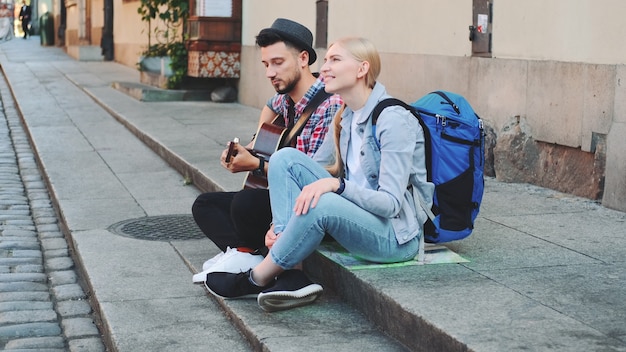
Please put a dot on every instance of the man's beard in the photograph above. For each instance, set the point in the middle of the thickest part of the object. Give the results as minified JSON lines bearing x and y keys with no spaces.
{"x":290,"y":85}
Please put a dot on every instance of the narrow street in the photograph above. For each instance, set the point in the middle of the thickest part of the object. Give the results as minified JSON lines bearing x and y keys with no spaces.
{"x":42,"y":305}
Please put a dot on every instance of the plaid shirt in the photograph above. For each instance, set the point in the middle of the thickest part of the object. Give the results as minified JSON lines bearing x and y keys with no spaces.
{"x":315,"y":129}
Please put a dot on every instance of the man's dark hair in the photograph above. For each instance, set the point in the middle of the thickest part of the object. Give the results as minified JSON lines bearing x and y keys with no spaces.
{"x":265,"y":39}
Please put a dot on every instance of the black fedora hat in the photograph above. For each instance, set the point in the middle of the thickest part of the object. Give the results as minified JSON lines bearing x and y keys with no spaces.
{"x":295,"y":33}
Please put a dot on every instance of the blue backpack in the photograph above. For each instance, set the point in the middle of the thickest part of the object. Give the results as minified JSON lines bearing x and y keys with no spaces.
{"x":454,"y":143}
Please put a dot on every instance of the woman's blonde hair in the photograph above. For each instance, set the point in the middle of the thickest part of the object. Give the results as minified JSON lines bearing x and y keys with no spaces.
{"x":362,"y":50}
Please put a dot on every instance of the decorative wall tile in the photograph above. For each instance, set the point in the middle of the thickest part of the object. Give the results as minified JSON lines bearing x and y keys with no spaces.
{"x":214,"y":64}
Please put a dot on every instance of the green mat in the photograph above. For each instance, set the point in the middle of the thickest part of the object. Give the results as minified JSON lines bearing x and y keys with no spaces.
{"x":434,"y":254}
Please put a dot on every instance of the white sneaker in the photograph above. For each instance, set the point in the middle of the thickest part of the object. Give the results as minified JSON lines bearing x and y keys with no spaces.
{"x":209,"y":263}
{"x":232,"y":261}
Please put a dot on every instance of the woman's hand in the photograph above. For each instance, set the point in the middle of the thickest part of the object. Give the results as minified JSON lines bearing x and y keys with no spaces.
{"x":270,"y":237}
{"x":311,"y":193}
{"x":242,"y":160}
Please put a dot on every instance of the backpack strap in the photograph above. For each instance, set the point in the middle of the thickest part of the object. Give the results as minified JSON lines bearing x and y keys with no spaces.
{"x":382,"y":105}
{"x":385,"y":103}
{"x":417,"y":198}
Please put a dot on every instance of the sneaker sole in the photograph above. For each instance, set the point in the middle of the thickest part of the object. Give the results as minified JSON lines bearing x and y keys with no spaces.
{"x":281,"y":300}
{"x":251,"y":295}
{"x":200,"y":277}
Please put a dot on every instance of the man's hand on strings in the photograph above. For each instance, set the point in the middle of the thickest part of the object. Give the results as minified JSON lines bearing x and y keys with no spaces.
{"x":241,"y":160}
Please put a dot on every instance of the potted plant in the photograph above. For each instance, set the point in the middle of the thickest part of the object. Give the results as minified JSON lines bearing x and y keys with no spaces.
{"x":168,"y":56}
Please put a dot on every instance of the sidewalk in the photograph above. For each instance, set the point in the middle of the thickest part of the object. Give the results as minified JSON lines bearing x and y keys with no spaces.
{"x":545,"y":271}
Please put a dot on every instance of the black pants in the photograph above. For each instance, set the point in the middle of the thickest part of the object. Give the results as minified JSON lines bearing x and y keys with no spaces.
{"x":25,"y":27}
{"x":234,"y":219}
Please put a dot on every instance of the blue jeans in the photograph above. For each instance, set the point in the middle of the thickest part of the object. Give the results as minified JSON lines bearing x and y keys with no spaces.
{"x":362,"y":233}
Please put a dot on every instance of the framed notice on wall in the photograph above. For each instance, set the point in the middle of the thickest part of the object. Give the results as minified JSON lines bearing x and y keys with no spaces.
{"x":214,"y":8}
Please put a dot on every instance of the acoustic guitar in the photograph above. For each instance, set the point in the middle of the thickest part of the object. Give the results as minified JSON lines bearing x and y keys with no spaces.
{"x":269,"y":138}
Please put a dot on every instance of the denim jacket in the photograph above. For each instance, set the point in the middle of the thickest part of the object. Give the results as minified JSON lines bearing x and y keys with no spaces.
{"x":390,"y":169}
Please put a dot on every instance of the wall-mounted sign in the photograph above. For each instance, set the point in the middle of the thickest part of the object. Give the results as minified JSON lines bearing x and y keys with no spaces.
{"x":482,"y":23}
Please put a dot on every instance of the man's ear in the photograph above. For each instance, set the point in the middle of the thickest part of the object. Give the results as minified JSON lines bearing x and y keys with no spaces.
{"x":304,"y":58}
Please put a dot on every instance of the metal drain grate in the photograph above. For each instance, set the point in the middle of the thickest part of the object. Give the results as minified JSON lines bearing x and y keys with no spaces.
{"x":159,"y":228}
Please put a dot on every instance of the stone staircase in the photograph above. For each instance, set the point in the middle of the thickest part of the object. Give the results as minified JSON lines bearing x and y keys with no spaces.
{"x":85,"y":52}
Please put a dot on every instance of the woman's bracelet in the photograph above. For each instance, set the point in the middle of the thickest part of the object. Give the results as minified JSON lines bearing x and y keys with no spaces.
{"x":342,"y":186}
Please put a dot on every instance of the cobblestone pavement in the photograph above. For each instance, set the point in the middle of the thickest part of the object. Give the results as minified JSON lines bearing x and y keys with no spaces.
{"x":42,"y":305}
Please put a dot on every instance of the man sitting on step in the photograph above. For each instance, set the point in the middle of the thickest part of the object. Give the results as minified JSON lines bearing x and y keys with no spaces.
{"x":237,"y":222}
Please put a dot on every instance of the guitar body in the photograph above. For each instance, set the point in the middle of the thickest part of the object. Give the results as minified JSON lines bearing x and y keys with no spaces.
{"x":269,"y":138}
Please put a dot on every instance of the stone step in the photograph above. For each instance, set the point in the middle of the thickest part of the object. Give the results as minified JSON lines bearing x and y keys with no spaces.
{"x":386,"y":295}
{"x":330,"y":324}
{"x":357,"y":312}
{"x":147,"y":93}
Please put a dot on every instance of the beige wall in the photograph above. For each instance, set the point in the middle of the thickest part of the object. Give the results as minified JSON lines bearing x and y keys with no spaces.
{"x":561,"y":30}
{"x":75,"y":35}
{"x":97,"y":21}
{"x":129,"y":32}
{"x":97,"y":13}
{"x":71,"y":27}
{"x":406,"y":26}
{"x":257,"y":15}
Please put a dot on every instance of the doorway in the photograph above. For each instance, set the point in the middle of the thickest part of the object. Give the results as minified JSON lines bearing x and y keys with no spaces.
{"x":480,"y":30}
